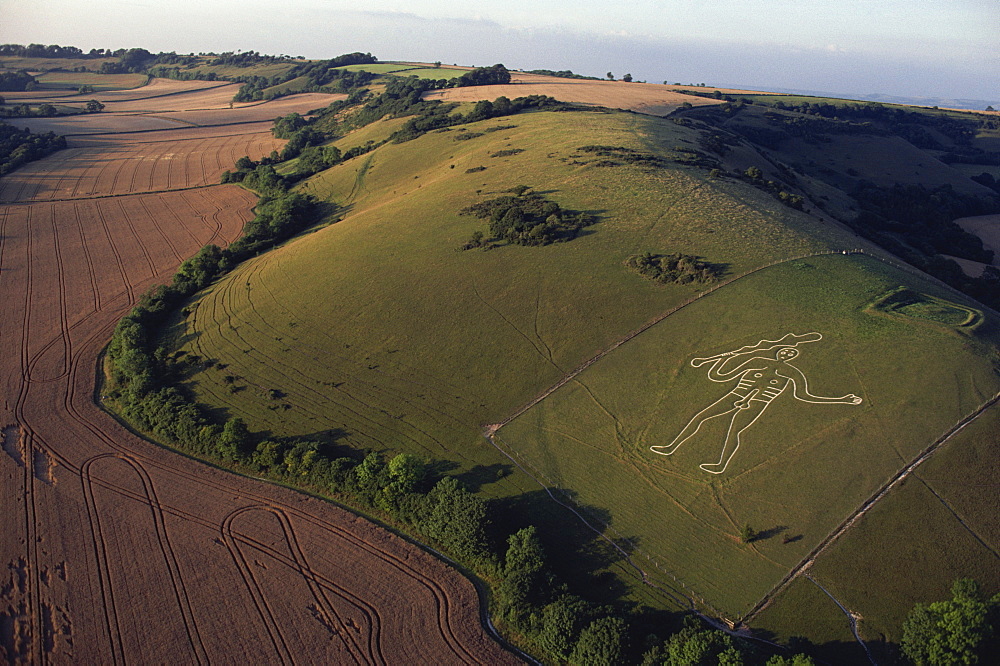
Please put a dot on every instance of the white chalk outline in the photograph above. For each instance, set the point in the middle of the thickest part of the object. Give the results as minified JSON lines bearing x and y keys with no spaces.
{"x":756,"y":388}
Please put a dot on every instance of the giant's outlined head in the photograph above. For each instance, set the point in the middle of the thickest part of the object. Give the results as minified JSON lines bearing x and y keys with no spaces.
{"x":786,"y":354}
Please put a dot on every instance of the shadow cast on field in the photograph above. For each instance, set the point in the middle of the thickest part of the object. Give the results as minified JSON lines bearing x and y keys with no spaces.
{"x":720,"y":268}
{"x":480,"y":475}
{"x":330,"y":442}
{"x":837,"y":652}
{"x":580,"y":556}
{"x":769,"y":533}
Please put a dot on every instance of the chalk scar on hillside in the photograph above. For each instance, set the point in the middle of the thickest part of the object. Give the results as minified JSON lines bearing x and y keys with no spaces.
{"x":763,"y":374}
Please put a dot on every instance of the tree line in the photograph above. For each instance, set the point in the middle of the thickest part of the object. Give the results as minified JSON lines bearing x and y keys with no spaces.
{"x":54,"y":51}
{"x":17,"y":81}
{"x":563,"y":74}
{"x":917,"y":223}
{"x":320,"y":76}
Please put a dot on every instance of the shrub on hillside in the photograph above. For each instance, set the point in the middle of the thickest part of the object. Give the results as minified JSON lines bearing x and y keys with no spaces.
{"x":676,"y":268}
{"x":528,"y":218}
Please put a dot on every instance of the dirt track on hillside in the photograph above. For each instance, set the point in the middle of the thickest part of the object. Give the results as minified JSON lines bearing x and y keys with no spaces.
{"x":119,"y":551}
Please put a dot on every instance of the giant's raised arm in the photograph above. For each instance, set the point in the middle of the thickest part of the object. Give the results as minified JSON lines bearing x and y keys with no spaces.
{"x":718,"y":373}
{"x":788,"y":340}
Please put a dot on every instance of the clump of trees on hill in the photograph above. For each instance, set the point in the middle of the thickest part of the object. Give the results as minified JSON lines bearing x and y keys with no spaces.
{"x":26,"y":111}
{"x":52,"y":51}
{"x":18,"y":146}
{"x":320,"y":76}
{"x":17,"y":81}
{"x":526,"y":218}
{"x":755,"y":177}
{"x":435,"y":115}
{"x":618,"y":155}
{"x":247,"y":59}
{"x":130,"y":61}
{"x":676,"y":268}
{"x":563,"y":74}
{"x":484,"y":76}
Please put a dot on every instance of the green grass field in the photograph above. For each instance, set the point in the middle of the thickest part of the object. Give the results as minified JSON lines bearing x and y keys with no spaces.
{"x":513,"y":319}
{"x":294,"y":85}
{"x":227,"y":71}
{"x":435,"y":73}
{"x":377,"y":332}
{"x":938,"y":525}
{"x":803,"y":467}
{"x":62,"y":80}
{"x":407,"y":69}
{"x":378,"y":67}
{"x":46,"y":64}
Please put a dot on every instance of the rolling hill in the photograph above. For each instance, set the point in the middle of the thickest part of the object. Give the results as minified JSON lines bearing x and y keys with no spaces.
{"x":394,"y":326}
{"x":729,"y":351}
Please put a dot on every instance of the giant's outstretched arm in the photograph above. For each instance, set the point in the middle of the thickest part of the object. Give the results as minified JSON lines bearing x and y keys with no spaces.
{"x":718,"y":373}
{"x":800,"y":389}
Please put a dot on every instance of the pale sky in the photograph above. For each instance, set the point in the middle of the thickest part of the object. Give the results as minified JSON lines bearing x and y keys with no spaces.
{"x":925,"y":48}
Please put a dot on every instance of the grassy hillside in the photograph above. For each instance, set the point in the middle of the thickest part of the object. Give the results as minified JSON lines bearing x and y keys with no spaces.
{"x":802,"y":468}
{"x":378,"y":332}
{"x":513,"y":319}
{"x":409,"y":69}
{"x":940,"y":525}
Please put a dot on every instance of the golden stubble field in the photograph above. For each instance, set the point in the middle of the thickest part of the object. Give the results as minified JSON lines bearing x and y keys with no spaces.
{"x":651,"y":98}
{"x":117,"y":550}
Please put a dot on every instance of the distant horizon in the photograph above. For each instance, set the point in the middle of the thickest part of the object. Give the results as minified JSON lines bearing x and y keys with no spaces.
{"x":918,"y":49}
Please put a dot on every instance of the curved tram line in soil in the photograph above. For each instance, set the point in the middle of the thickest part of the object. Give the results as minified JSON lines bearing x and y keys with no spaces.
{"x":50,"y":437}
{"x":296,"y":561}
{"x":64,"y":325}
{"x":166,"y":549}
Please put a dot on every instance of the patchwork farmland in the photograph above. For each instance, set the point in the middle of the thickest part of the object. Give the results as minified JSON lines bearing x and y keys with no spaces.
{"x":659,"y":363}
{"x":393,"y":330}
{"x":104,"y":529}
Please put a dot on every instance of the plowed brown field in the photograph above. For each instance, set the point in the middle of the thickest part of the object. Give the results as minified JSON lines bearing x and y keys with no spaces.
{"x":103,"y":168}
{"x":202,"y":107}
{"x":654,"y":99}
{"x":116,"y":550}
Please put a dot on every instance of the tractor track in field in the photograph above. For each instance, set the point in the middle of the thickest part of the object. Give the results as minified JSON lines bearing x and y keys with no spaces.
{"x":69,"y":269}
{"x":167,"y":550}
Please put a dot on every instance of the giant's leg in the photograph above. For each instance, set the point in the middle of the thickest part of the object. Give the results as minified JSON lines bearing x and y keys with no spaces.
{"x":742,"y":419}
{"x":720,"y":407}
